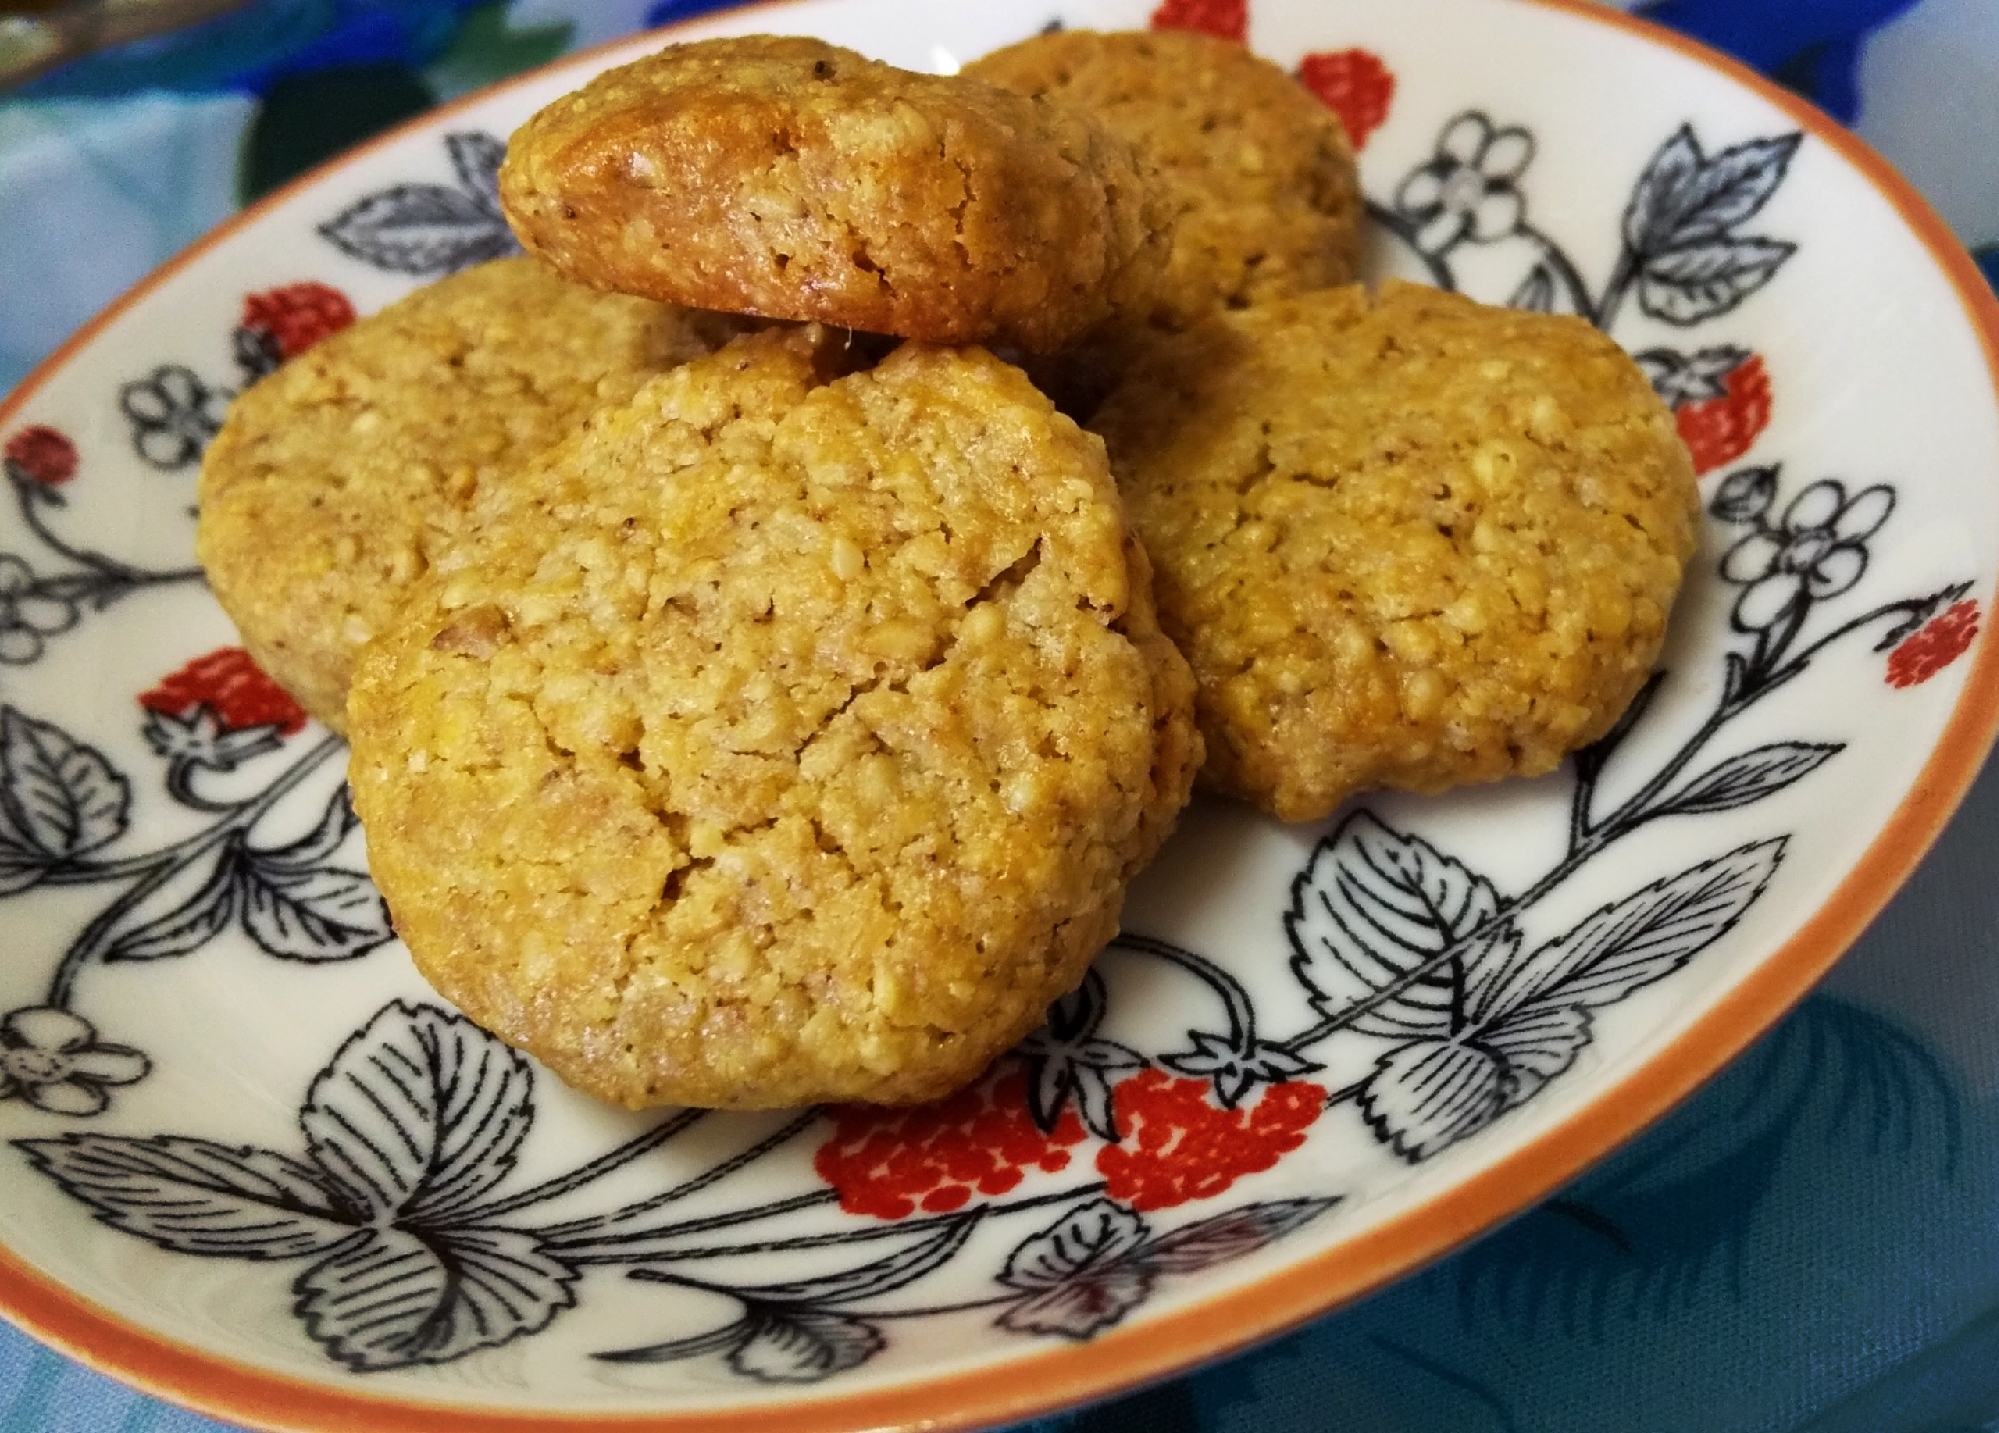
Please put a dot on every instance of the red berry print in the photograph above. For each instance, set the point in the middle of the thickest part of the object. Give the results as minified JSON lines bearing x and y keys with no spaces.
{"x":1353,"y":84}
{"x":41,"y":455}
{"x":1720,"y":430}
{"x":1178,"y":1144}
{"x":1941,"y":641}
{"x":297,"y":316}
{"x":890,"y":1163}
{"x":231,"y":686}
{"x":1225,"y":19}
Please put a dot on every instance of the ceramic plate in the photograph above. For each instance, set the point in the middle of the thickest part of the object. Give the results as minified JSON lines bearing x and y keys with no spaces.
{"x":248,"y":1160}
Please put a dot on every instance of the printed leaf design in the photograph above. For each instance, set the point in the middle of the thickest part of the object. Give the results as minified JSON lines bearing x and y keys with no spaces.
{"x":1536,"y":293}
{"x":419,"y":1114}
{"x":1084,"y":1071}
{"x":1095,"y":1264}
{"x":774,"y":1344}
{"x":1745,"y":495}
{"x":1631,"y":943}
{"x":1692,"y":285}
{"x":58,"y":797}
{"x":1218,"y":1239}
{"x":1681,"y":378}
{"x":20,"y":867}
{"x":431,"y":229}
{"x":1749,"y":777}
{"x":422,"y":229}
{"x":313,"y":914}
{"x":1076,"y":1273}
{"x":1535,"y":1045}
{"x":714,"y":1341}
{"x":879,"y":1276}
{"x":1426,"y":1096}
{"x":804,"y":1346}
{"x":194,"y":1196}
{"x":1236,"y":1067}
{"x":1590,"y":760}
{"x":1680,"y":227}
{"x":1065,"y":1058}
{"x":318,"y":845}
{"x":1088,"y":1234}
{"x":188,"y":926}
{"x":1371,"y":906}
{"x":390,"y":1297}
{"x":476,"y":159}
{"x":1528,"y":1016}
{"x":1685,"y":198}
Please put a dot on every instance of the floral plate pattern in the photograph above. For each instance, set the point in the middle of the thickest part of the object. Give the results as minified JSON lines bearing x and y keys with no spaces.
{"x":250,"y":1160}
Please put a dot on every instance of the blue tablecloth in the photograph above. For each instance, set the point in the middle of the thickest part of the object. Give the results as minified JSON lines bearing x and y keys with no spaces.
{"x":1811,"y":1243}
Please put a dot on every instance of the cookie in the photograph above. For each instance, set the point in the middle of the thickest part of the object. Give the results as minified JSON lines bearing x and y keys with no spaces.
{"x":1260,"y":182}
{"x":334,"y":478}
{"x":1408,"y":541}
{"x":790,"y":178}
{"x":782,"y":737}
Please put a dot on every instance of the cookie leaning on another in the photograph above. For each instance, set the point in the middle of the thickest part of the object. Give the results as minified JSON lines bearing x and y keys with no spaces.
{"x":780,"y":738}
{"x":334,"y":478}
{"x":789,"y":178}
{"x":1406,"y":541}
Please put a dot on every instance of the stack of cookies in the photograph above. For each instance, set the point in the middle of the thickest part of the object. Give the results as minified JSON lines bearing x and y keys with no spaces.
{"x":754,"y":682}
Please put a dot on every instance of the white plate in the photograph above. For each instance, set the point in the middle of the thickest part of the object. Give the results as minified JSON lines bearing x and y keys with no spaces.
{"x":249,"y":1161}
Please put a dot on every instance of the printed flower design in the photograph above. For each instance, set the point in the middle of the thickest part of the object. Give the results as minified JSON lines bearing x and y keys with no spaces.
{"x":40,"y":454}
{"x":218,"y":711}
{"x":1226,"y":19}
{"x":1178,"y":1145}
{"x":52,"y":1059}
{"x":173,"y":415}
{"x":231,"y":685}
{"x":1720,"y":399}
{"x":983,"y":1140}
{"x":27,"y":614}
{"x":1175,"y":1144}
{"x":282,"y":323}
{"x":1353,"y":84}
{"x":1939,"y":642}
{"x":1468,"y":188}
{"x":1817,"y":551}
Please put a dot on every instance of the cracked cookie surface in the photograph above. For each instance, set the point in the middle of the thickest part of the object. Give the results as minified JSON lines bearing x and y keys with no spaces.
{"x":790,"y":178}
{"x":1409,"y":541}
{"x":781,"y":738}
{"x":334,"y":479}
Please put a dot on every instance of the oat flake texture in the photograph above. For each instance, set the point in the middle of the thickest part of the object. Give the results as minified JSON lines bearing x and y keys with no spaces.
{"x":333,"y":479}
{"x":784,"y":737}
{"x":1407,"y":541}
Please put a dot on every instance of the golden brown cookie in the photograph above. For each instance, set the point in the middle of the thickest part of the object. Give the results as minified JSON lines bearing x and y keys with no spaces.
{"x":1260,"y":180}
{"x":1408,"y":541}
{"x":333,"y":479}
{"x":790,"y":178}
{"x":778,"y":739}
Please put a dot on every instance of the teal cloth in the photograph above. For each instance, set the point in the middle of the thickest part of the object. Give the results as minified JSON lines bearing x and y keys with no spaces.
{"x":1809,"y":1245}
